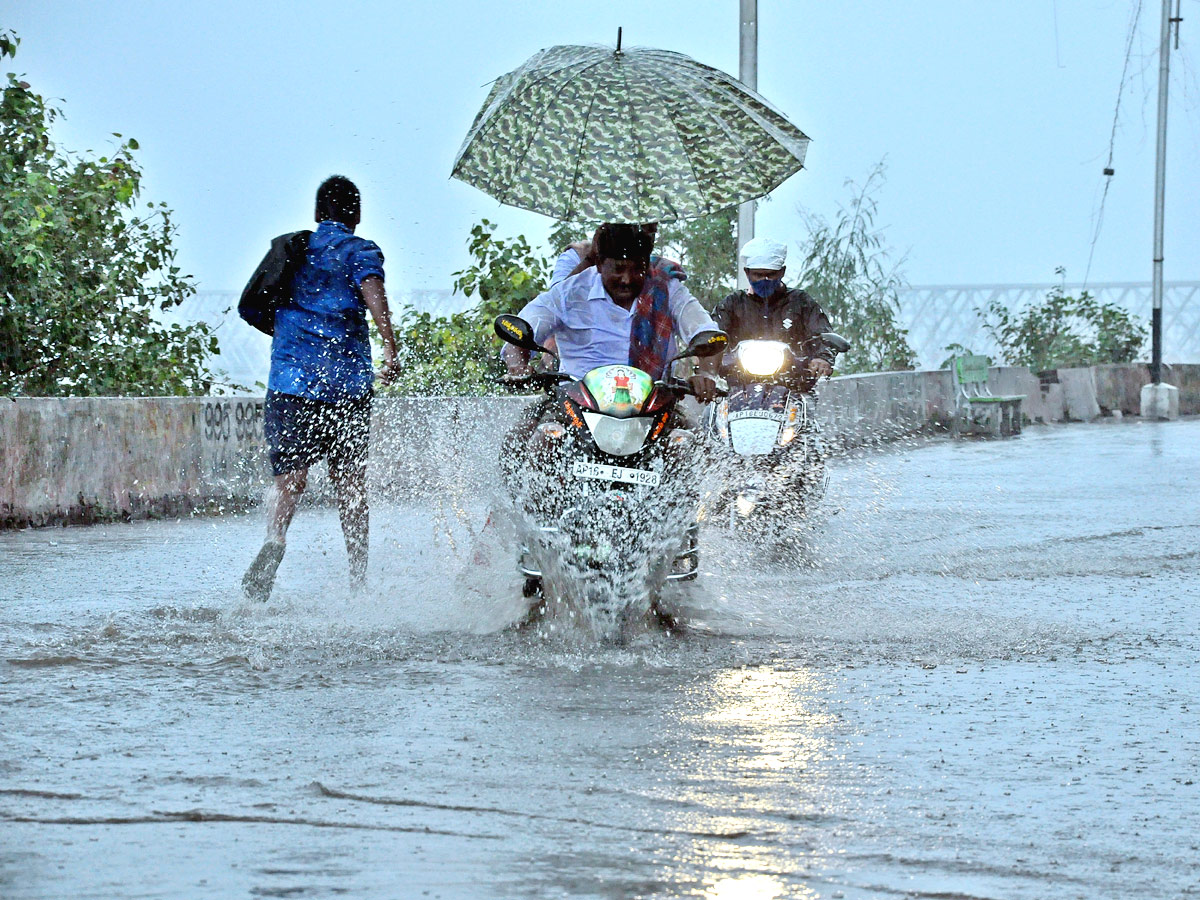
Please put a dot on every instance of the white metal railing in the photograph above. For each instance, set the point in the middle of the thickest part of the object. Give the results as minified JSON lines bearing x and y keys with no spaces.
{"x":935,"y":316}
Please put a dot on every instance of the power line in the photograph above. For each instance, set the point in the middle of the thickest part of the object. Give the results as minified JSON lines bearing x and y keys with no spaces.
{"x":1112,"y":138}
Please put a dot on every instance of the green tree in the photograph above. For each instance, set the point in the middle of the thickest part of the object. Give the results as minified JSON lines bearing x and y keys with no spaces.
{"x":1064,"y":331}
{"x":568,"y":232}
{"x":846,"y":266}
{"x":458,"y":355}
{"x":707,"y":250}
{"x":81,"y":273}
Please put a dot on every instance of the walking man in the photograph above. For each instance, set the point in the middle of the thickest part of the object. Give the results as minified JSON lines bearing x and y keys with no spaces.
{"x":319,"y":391}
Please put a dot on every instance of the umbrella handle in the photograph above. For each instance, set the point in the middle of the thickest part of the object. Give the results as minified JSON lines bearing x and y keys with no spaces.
{"x":618,"y":39}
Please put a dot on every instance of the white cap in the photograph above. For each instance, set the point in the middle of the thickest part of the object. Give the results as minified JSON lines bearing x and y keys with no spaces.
{"x":764,"y":253}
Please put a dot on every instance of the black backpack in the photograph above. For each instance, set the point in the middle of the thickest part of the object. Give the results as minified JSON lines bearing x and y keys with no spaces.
{"x":270,"y":286}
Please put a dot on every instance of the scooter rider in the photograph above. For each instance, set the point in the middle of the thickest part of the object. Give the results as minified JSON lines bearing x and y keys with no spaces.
{"x":771,"y":311}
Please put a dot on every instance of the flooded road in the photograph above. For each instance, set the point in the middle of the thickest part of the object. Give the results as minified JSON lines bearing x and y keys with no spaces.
{"x":985,"y":685}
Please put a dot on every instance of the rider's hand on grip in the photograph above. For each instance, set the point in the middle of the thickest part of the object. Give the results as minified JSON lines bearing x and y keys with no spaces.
{"x":819,"y":368}
{"x":703,"y":386}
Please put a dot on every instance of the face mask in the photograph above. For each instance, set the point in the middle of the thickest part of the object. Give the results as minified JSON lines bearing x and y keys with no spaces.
{"x":765,"y":287}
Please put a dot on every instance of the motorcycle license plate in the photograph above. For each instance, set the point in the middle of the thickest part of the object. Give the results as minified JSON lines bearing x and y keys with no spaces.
{"x":764,"y":414}
{"x":605,"y":472}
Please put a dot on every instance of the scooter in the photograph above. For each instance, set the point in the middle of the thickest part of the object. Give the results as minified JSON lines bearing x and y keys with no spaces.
{"x":766,"y":436}
{"x":606,"y":482}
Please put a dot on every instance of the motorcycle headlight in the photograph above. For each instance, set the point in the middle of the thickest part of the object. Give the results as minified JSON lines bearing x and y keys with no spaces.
{"x":618,"y":437}
{"x":761,"y":358}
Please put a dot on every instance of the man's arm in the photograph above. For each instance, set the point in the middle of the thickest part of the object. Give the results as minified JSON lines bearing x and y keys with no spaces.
{"x":565,"y":266}
{"x":690,"y":319}
{"x":815,"y":323}
{"x":375,"y":297}
{"x":542,"y":315}
{"x":586,"y":251}
{"x":577,"y":257}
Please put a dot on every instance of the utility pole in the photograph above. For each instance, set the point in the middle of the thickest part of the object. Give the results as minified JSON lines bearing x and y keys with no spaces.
{"x":1159,"y":400}
{"x":748,"y":75}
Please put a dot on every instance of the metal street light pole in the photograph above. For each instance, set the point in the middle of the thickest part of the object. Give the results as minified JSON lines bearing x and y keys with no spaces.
{"x":1161,"y":401}
{"x":1160,"y":183}
{"x":748,"y":74}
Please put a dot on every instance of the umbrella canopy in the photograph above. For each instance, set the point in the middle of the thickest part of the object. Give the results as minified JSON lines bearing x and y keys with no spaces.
{"x":626,"y":136}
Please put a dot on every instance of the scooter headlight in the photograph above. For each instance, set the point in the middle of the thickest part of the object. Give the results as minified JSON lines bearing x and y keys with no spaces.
{"x":761,"y":358}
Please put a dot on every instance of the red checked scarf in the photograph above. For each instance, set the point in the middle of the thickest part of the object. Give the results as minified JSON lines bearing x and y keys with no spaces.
{"x":650,"y":335}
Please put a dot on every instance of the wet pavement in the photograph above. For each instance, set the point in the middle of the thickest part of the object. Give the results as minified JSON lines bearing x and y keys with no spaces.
{"x":983,"y":685}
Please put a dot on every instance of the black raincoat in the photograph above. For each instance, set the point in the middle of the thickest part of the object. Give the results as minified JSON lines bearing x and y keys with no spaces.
{"x":787,"y":315}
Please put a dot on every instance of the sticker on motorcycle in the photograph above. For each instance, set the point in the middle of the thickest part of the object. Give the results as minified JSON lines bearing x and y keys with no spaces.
{"x":618,"y":390}
{"x":605,"y":472}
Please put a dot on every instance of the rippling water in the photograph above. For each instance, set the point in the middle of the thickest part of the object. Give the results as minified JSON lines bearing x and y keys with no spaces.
{"x":981,"y":682}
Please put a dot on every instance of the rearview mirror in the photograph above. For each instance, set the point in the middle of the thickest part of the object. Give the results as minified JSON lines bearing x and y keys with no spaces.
{"x":708,"y":343}
{"x":517,"y":331}
{"x":835,"y":341}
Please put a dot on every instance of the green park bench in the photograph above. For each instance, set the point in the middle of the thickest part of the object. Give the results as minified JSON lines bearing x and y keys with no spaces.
{"x":1001,"y":414}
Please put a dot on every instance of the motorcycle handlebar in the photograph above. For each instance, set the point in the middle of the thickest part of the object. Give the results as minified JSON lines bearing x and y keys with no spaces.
{"x":547,"y":380}
{"x":684,"y":389}
{"x":796,"y":367}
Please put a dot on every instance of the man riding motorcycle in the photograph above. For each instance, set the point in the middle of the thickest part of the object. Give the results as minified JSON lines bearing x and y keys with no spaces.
{"x":620,"y":322}
{"x":763,"y":435}
{"x":771,"y":311}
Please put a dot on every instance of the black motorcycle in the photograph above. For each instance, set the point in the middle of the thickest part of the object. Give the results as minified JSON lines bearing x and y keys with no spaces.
{"x":766,"y":436}
{"x":605,"y":479}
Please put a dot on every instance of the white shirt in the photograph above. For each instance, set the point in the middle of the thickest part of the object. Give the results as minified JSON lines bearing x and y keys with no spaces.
{"x":591,"y":330}
{"x":565,"y":265}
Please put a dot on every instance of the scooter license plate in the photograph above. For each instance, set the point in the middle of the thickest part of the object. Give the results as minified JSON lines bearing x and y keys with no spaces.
{"x":605,"y":472}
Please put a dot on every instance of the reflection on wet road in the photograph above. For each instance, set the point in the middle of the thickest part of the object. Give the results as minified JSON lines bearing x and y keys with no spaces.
{"x":982,"y":684}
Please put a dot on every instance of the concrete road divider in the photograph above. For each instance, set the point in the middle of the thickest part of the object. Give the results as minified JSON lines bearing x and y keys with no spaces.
{"x":82,"y":460}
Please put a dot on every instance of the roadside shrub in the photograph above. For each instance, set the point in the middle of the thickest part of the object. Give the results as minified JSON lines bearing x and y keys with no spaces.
{"x":83,"y":273}
{"x":1064,"y":331}
{"x":459,"y":355}
{"x":707,"y":250}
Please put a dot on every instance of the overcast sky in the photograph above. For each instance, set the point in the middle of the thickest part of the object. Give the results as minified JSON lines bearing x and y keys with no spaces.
{"x":994,"y":118}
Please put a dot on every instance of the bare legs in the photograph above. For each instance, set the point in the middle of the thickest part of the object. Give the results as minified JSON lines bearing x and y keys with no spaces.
{"x":299,"y":431}
{"x":350,"y":483}
{"x":288,"y":488}
{"x":260,"y":577}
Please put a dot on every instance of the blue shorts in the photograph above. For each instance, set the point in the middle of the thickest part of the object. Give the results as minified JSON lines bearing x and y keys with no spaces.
{"x":301,"y":431}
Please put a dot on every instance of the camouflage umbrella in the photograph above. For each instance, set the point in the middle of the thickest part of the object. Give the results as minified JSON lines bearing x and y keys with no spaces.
{"x":629,"y":136}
